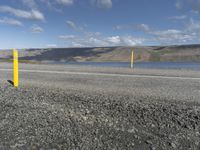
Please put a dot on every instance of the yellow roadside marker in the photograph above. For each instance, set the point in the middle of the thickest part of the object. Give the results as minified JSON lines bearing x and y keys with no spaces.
{"x":15,"y":68}
{"x":132,"y":58}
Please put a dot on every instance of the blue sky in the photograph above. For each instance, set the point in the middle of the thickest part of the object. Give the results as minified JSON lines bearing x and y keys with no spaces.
{"x":88,"y":23}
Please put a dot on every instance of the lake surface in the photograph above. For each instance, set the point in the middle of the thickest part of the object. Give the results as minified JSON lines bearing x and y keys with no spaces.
{"x":154,"y":65}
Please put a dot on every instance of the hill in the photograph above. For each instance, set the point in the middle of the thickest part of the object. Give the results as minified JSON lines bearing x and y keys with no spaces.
{"x":174,"y":53}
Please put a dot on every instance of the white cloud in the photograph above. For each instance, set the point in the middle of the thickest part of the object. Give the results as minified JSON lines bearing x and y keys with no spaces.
{"x":143,"y":27}
{"x":178,"y":17}
{"x":195,"y":5}
{"x":91,"y":34}
{"x":187,"y":34}
{"x":114,"y":39}
{"x":132,"y":41}
{"x":103,"y":3}
{"x":65,"y":2}
{"x":96,"y":40}
{"x":32,"y":14}
{"x":166,"y":32}
{"x":190,"y":33}
{"x":123,"y":41}
{"x":73,"y":26}
{"x":117,"y":27}
{"x":51,"y":45}
{"x":30,"y":3}
{"x":13,"y":22}
{"x":36,"y":29}
{"x":178,"y":5}
{"x":66,"y":37}
{"x":171,"y":36}
{"x":193,"y":26}
{"x":188,"y":5}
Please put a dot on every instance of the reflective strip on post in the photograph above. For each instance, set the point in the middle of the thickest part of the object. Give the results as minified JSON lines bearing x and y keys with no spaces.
{"x":15,"y":68}
{"x":132,"y":58}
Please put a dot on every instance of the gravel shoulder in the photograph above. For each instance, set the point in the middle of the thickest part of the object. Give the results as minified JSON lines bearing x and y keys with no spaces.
{"x":84,"y":112}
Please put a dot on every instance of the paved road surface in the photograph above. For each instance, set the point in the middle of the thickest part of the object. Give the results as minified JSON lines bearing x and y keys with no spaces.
{"x":171,"y":84}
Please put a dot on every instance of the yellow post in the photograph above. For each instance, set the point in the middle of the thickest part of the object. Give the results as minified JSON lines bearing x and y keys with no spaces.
{"x":15,"y":68}
{"x":132,"y":58}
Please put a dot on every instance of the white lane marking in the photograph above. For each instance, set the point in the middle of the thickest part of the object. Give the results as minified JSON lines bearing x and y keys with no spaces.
{"x":105,"y":74}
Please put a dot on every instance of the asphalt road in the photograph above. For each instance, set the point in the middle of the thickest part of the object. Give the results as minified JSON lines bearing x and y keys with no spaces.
{"x":73,"y":107}
{"x":171,"y":84}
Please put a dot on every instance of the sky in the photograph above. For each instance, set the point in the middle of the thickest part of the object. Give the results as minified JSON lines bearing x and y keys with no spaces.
{"x":98,"y":23}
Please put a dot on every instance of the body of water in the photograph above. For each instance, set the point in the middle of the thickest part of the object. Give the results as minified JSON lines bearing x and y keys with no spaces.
{"x":154,"y":65}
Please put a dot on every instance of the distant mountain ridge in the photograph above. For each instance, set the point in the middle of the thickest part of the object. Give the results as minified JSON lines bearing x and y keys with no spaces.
{"x":174,"y":53}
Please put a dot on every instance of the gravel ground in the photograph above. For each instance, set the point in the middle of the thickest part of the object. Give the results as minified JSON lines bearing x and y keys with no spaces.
{"x":64,"y":111}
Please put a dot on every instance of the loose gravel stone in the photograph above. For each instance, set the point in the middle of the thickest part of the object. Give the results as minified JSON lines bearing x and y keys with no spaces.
{"x":81,"y":112}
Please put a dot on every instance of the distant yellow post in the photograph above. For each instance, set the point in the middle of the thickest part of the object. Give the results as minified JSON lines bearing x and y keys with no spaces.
{"x":132,"y":58}
{"x":15,"y":68}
